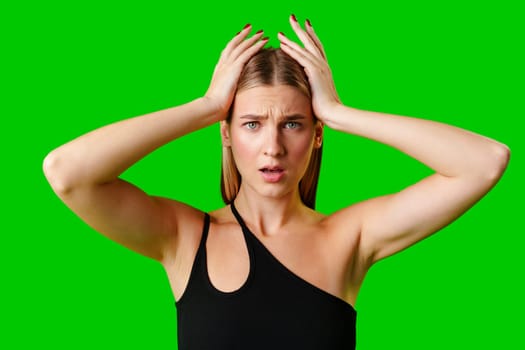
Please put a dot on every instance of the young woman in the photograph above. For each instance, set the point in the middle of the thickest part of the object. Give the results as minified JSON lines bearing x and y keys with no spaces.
{"x":267,"y":271}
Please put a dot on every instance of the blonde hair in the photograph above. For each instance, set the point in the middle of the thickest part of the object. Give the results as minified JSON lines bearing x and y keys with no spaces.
{"x":269,"y":67}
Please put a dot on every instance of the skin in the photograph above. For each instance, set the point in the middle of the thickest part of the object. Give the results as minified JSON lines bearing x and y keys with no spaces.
{"x":271,"y":140}
{"x":332,"y":252}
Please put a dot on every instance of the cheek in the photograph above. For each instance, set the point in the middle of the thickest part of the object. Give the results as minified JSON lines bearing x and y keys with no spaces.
{"x":244,"y":148}
{"x":301,"y":147}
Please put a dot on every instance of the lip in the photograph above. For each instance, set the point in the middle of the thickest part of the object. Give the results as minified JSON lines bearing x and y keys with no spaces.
{"x":273,"y":177}
{"x":272,"y":167}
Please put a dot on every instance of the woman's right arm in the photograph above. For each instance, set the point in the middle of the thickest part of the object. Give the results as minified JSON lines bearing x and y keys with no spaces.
{"x":84,"y":172}
{"x":84,"y":175}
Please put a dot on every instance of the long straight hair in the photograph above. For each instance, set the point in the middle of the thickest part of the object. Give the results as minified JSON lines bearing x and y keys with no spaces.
{"x":270,"y":67}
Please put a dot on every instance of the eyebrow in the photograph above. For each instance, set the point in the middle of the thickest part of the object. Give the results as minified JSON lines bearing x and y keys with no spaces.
{"x":288,"y":117}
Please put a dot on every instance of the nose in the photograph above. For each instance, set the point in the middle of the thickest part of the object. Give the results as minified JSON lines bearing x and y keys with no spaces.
{"x":273,"y":143}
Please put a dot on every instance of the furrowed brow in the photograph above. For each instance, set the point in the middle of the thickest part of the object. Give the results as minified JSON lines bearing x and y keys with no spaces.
{"x":253,"y":116}
{"x":258,"y":117}
{"x":295,"y":117}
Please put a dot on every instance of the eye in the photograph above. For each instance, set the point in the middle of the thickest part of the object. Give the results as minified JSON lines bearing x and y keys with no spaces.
{"x":251,"y":125}
{"x":295,"y":125}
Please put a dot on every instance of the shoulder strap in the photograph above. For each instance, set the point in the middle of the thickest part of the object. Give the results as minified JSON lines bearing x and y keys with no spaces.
{"x":205,"y":229}
{"x":237,"y":215}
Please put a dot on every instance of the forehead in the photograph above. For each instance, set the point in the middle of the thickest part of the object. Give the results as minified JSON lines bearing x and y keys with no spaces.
{"x":271,"y":99}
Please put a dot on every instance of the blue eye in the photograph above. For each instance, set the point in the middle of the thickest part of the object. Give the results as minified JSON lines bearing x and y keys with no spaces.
{"x":294,"y":123}
{"x":252,"y":123}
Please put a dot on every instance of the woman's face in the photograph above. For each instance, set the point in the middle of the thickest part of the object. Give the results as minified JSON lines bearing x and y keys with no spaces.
{"x":272,"y":135}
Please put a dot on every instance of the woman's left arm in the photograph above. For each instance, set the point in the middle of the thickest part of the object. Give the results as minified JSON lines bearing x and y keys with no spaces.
{"x":450,"y":151}
{"x":467,"y":165}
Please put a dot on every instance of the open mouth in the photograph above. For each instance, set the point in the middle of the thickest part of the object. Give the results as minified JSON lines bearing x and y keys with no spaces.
{"x":271,"y":171}
{"x":272,"y":174}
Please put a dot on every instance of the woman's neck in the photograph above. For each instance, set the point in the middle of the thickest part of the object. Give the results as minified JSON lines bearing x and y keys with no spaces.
{"x":269,"y":215}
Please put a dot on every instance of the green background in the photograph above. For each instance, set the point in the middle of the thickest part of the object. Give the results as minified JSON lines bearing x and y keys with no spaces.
{"x":69,"y":68}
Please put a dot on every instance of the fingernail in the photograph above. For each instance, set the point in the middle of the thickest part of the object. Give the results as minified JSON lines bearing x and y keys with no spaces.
{"x":259,"y":31}
{"x":282,"y":33}
{"x":293,"y":17}
{"x":246,"y":26}
{"x":237,"y":33}
{"x":265,"y":38}
{"x":308,"y":22}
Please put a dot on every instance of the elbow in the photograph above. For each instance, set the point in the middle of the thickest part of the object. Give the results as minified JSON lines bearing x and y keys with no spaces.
{"x":499,"y":162}
{"x":55,"y":177}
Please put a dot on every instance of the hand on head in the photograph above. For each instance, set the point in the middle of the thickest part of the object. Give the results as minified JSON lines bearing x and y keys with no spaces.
{"x":311,"y":57}
{"x":227,"y":71}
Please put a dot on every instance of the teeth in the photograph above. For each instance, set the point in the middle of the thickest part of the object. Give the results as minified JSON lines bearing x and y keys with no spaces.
{"x":272,"y":171}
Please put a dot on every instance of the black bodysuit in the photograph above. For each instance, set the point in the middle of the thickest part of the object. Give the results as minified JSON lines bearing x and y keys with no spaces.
{"x":274,"y":309}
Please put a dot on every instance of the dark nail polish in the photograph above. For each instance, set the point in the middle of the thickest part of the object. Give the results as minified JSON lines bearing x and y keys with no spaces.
{"x":308,"y":21}
{"x":282,"y":33}
{"x":293,"y":17}
{"x":246,"y":26}
{"x":237,"y":33}
{"x":259,"y":31}
{"x":265,"y":38}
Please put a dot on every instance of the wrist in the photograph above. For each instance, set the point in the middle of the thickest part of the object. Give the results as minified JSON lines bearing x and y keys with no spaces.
{"x":214,"y":107}
{"x":330,"y":114}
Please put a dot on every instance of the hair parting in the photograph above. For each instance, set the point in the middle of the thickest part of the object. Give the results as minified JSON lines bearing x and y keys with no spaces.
{"x":270,"y":67}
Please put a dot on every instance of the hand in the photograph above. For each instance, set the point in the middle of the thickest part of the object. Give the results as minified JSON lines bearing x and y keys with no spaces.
{"x":313,"y":59}
{"x":227,"y":71}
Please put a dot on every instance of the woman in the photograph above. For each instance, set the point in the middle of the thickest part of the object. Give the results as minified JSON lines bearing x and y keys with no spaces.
{"x":267,"y":270}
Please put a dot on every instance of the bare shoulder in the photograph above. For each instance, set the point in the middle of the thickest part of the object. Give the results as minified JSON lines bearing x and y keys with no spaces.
{"x":345,"y":222}
{"x":187,"y":223}
{"x":222,"y":215}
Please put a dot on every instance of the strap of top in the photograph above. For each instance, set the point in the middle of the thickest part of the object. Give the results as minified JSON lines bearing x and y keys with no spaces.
{"x":237,"y":215}
{"x":205,"y":229}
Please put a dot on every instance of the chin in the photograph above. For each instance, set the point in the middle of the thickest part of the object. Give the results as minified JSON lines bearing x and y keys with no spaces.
{"x":275,"y":191}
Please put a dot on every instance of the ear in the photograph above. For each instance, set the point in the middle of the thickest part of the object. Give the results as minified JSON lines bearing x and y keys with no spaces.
{"x":225,"y":134}
{"x":318,"y":134}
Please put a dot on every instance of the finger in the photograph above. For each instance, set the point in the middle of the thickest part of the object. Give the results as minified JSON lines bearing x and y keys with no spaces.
{"x":297,"y":49}
{"x":248,"y":53}
{"x":311,"y":32}
{"x":244,"y":45}
{"x":308,"y":43}
{"x":237,"y":39}
{"x":298,"y":56}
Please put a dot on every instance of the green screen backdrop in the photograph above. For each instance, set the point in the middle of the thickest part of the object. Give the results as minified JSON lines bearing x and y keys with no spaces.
{"x":71,"y":67}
